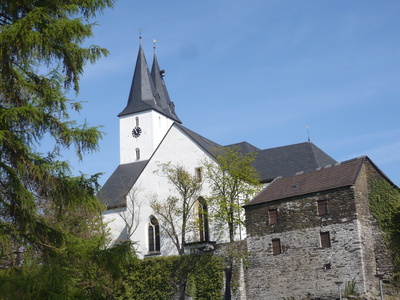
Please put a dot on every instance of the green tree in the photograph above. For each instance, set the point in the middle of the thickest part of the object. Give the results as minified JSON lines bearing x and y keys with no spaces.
{"x":46,"y":214}
{"x":234,"y":182}
{"x":175,"y":212}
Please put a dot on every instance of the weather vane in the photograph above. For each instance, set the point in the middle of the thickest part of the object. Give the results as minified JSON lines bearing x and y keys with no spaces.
{"x":154,"y":44}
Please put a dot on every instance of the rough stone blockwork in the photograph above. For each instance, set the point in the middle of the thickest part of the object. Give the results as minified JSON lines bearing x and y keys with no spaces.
{"x":311,"y":252}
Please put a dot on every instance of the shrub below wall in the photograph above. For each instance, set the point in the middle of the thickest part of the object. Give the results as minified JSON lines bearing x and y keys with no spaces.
{"x":198,"y":275}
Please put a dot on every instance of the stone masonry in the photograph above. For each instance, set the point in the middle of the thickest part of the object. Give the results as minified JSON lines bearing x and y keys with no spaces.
{"x":306,"y":265}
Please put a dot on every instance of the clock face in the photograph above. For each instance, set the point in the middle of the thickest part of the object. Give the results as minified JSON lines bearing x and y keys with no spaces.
{"x":136,"y":132}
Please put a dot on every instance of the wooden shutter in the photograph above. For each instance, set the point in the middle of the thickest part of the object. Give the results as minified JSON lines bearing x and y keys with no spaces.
{"x":273,"y":216}
{"x":325,"y":240}
{"x":322,"y":207}
{"x":276,"y":246}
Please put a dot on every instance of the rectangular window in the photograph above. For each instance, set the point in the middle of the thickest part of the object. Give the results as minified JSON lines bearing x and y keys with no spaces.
{"x":322,"y":207}
{"x":325,"y":239}
{"x":198,"y":175}
{"x":273,"y":216}
{"x":276,"y":246}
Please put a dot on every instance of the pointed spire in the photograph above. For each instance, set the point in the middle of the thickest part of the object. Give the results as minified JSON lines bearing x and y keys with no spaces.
{"x":161,"y":90}
{"x":141,"y":96}
{"x":148,"y":90}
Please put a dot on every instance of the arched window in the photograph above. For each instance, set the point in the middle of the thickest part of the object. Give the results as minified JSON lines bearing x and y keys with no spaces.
{"x":137,"y":121}
{"x":203,"y":220}
{"x":137,"y":153}
{"x":154,"y":235}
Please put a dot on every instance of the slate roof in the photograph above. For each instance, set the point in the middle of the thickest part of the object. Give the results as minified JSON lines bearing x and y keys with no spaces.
{"x":245,"y":147}
{"x":161,"y":91}
{"x":286,"y":160}
{"x":148,"y":90}
{"x":114,"y":191}
{"x":203,"y":142}
{"x":322,"y":179}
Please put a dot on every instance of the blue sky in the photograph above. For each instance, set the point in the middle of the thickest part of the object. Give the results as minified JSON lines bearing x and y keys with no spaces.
{"x":258,"y":71}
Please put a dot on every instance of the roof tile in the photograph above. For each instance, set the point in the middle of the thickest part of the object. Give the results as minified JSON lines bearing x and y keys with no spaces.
{"x":321,"y":179}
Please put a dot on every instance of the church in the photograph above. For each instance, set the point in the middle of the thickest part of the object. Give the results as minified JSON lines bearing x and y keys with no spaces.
{"x":151,"y":133}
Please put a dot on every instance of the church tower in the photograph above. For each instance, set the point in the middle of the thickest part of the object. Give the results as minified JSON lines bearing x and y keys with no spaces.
{"x":148,"y":114}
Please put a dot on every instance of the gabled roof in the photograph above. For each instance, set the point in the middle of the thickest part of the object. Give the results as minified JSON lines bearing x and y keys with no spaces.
{"x":161,"y":91}
{"x":322,"y":179}
{"x":114,"y":191}
{"x":286,"y":160}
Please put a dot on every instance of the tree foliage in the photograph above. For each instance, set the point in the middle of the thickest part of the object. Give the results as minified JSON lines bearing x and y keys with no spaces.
{"x":175,"y":212}
{"x":51,"y":233}
{"x":234,"y":182}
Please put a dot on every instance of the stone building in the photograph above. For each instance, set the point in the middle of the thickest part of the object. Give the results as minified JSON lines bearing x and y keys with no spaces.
{"x":308,"y":232}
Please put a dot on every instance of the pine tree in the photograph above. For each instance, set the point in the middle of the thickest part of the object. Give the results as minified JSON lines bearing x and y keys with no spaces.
{"x":49,"y":219}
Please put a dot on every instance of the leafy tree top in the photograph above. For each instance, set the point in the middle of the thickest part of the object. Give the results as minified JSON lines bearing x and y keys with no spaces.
{"x":233,"y":182}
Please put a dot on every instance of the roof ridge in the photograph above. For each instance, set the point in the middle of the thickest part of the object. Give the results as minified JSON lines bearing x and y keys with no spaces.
{"x":326,"y":166}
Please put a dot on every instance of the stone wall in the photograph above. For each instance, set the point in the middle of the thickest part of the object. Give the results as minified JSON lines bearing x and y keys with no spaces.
{"x":304,"y":267}
{"x":376,"y":260}
{"x":234,"y":255}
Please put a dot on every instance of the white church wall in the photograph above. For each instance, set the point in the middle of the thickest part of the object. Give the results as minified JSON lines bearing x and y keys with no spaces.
{"x":153,"y":127}
{"x":115,"y":224}
{"x":178,"y":149}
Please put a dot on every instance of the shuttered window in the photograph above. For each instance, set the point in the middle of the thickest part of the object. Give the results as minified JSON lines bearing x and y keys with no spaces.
{"x":276,"y":246}
{"x":273,"y":216}
{"x":322,"y":207}
{"x":325,"y":239}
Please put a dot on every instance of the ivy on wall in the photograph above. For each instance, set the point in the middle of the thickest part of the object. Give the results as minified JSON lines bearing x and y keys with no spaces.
{"x":384,"y":201}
